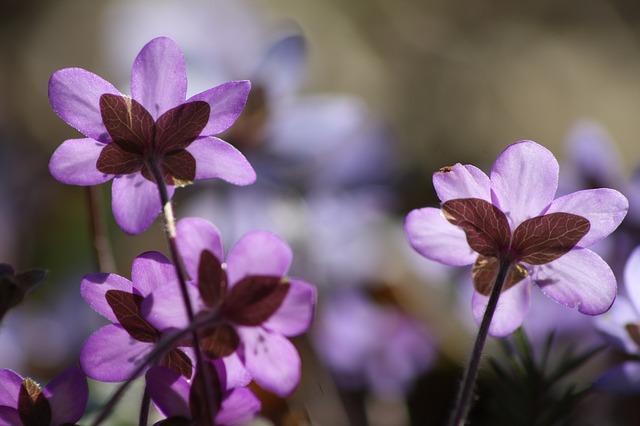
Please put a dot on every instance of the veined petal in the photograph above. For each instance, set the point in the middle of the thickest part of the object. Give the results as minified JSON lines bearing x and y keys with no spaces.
{"x":227,"y":102}
{"x":74,"y":94}
{"x":604,"y":209}
{"x":295,"y":314}
{"x":461,"y":181}
{"x":10,"y":384}
{"x":150,"y":270}
{"x":74,"y":162}
{"x":431,"y":235}
{"x":94,"y":288}
{"x":258,"y":253}
{"x":513,"y":306}
{"x":632,"y":279}
{"x":169,"y":391}
{"x":193,"y":236}
{"x":524,"y":181}
{"x":67,"y":395}
{"x":216,"y":158}
{"x":159,"y":76}
{"x":111,"y":354}
{"x":135,"y":202}
{"x":271,"y":359}
{"x":238,"y":407}
{"x":579,"y":279}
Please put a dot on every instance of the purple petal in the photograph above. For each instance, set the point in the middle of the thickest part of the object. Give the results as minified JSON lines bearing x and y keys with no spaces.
{"x":579,"y":279}
{"x":216,"y":158}
{"x":612,"y":325}
{"x":271,"y":359}
{"x":74,"y":162}
{"x":623,"y":379}
{"x":282,"y":67}
{"x":164,"y":308}
{"x":295,"y":314}
{"x":9,"y":416}
{"x":258,"y":253}
{"x":226,"y":101}
{"x":603,"y":208}
{"x":431,"y":235}
{"x":111,"y":354}
{"x":135,"y":202}
{"x":632,"y":279}
{"x":94,"y":288}
{"x":159,"y":76}
{"x":74,"y":94}
{"x":67,"y":395}
{"x":193,"y":236}
{"x":513,"y":306}
{"x":150,"y":270}
{"x":10,"y":383}
{"x":235,"y":371}
{"x":169,"y":391}
{"x":462,"y":182}
{"x":238,"y":408}
{"x":524,"y":180}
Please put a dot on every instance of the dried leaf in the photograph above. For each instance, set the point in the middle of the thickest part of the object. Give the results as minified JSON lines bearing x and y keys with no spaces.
{"x":178,"y":127}
{"x":485,"y":271}
{"x":179,"y":168}
{"x":198,"y":396}
{"x":219,"y":341}
{"x":126,"y":307}
{"x":113,"y":160}
{"x":33,"y":407}
{"x":212,"y":279}
{"x":254,"y":299}
{"x":179,"y":362}
{"x":129,"y":124}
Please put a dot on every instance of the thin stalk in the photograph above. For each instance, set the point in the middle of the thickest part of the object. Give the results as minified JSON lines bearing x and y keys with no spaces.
{"x":465,"y":391}
{"x":144,"y":408}
{"x":99,"y":239}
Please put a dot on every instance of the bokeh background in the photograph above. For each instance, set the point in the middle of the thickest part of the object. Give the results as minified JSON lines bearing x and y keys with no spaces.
{"x":377,"y":97}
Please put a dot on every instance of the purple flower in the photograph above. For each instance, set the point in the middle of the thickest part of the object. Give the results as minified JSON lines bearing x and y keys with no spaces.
{"x":114,"y":351}
{"x":257,"y":306}
{"x":61,"y":402}
{"x":180,"y":400}
{"x":512,"y":217}
{"x":154,"y":134}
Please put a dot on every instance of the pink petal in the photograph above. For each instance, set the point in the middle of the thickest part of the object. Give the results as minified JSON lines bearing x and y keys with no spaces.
{"x":193,"y":236}
{"x":513,"y":306}
{"x":74,"y":94}
{"x":169,"y":391}
{"x":603,"y":208}
{"x":159,"y":76}
{"x":150,"y":270}
{"x":632,"y":279}
{"x":295,"y":314}
{"x":579,"y":279}
{"x":226,"y":101}
{"x":216,"y":158}
{"x":258,"y":253}
{"x":271,"y":359}
{"x":10,"y":384}
{"x":524,"y":180}
{"x":431,"y":235}
{"x":94,"y":288}
{"x":462,"y":182}
{"x":135,"y":202}
{"x":111,"y":354}
{"x":67,"y":395}
{"x":74,"y":162}
{"x":239,"y":406}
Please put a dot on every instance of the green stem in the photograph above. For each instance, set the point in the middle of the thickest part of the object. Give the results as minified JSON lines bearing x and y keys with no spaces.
{"x":465,"y":392}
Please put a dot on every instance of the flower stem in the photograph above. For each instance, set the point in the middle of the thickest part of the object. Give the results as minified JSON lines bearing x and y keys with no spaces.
{"x":99,"y":239}
{"x":465,"y":391}
{"x":144,"y":408}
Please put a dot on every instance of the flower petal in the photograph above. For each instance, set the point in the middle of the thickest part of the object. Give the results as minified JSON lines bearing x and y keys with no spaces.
{"x":111,"y":354}
{"x":282,"y":67}
{"x":94,"y":288}
{"x":169,"y":392}
{"x":295,"y":314}
{"x":74,"y":94}
{"x":236,"y":374}
{"x":150,"y":270}
{"x":632,"y":279}
{"x":226,"y":101}
{"x":238,"y":407}
{"x":67,"y":395}
{"x":258,"y":253}
{"x":461,"y":181}
{"x":271,"y":359}
{"x":623,"y":379}
{"x":74,"y":162}
{"x":513,"y":306}
{"x":579,"y":279}
{"x":216,"y":158}
{"x":431,"y":235}
{"x":9,"y":416}
{"x":604,"y":209}
{"x":612,"y":325}
{"x":159,"y":76}
{"x":135,"y":202}
{"x":524,"y":181}
{"x":164,"y":307}
{"x":193,"y":236}
{"x":10,"y":384}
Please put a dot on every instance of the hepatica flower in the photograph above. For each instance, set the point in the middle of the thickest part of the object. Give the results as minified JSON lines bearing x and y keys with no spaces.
{"x":24,"y":403}
{"x":511,"y":218}
{"x":156,"y":134}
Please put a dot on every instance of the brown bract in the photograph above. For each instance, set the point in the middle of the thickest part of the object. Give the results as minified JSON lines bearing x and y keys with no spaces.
{"x":33,"y":407}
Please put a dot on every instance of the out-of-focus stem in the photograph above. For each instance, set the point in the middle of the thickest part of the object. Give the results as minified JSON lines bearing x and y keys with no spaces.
{"x":99,"y":239}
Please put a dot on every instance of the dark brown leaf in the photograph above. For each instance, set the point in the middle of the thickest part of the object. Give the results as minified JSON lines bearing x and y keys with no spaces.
{"x":198,"y":396}
{"x":212,"y":279}
{"x":178,"y":127}
{"x":129,"y":124}
{"x":113,"y":160}
{"x":543,"y":239}
{"x":486,"y":227}
{"x":33,"y":407}
{"x":254,"y":299}
{"x":485,"y":272}
{"x":126,"y":307}
{"x":179,"y":362}
{"x":179,"y":168}
{"x":219,"y":341}
{"x":174,"y":421}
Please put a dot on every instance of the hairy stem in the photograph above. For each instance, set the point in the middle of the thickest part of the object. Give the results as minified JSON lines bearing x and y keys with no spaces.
{"x":465,"y":391}
{"x":99,"y":239}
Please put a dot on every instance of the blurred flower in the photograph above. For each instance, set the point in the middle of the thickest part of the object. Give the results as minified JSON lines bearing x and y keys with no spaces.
{"x":61,"y":402}
{"x":14,"y":287}
{"x":153,"y":134}
{"x":475,"y":226}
